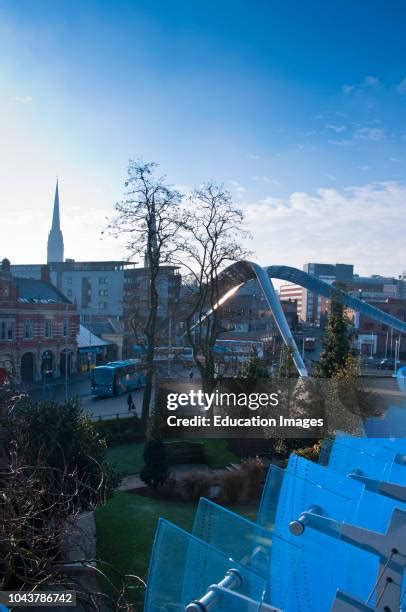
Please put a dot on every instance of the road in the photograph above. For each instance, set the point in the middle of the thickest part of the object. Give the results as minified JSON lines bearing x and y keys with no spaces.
{"x":96,"y":407}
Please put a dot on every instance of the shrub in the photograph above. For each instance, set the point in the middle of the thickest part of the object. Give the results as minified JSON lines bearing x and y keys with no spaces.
{"x":232,"y":485}
{"x":310,"y":452}
{"x":120,"y":431}
{"x":189,"y":487}
{"x":185,"y":451}
{"x":170,"y":488}
{"x":155,"y":471}
{"x":254,"y":471}
{"x":195,"y":485}
{"x":65,"y":439}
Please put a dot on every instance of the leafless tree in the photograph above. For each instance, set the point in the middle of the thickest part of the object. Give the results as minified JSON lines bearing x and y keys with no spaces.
{"x":148,"y":215}
{"x":212,"y":235}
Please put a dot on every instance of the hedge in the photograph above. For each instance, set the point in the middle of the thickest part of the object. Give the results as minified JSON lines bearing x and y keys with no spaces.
{"x":120,"y":431}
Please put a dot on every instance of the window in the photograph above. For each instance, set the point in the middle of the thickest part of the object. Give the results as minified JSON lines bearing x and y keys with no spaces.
{"x":66,"y":327}
{"x":102,"y":305}
{"x":6,"y":330}
{"x":69,"y":280}
{"x":69,"y":293}
{"x":103,"y":280}
{"x":28,"y":329}
{"x":103,"y":292}
{"x":48,"y":328}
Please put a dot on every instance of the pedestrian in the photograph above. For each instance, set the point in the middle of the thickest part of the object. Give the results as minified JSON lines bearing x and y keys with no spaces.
{"x":191,"y":374}
{"x":130,"y":402}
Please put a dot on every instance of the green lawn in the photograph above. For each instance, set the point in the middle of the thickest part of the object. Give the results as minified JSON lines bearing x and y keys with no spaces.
{"x":126,"y":458}
{"x":126,"y":527}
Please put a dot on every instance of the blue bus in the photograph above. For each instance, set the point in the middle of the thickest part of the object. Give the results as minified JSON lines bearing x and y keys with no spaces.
{"x":118,"y":377}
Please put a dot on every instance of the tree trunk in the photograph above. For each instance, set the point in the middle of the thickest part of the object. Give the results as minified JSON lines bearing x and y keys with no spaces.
{"x":150,"y":334}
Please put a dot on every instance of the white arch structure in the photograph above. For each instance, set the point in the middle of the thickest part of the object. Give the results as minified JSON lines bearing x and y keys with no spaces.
{"x":239,"y":273}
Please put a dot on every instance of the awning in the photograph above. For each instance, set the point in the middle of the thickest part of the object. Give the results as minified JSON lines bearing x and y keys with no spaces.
{"x":86,"y":340}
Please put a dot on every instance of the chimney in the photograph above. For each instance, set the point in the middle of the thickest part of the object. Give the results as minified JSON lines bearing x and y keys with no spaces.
{"x":45,"y":276}
{"x":5,"y":266}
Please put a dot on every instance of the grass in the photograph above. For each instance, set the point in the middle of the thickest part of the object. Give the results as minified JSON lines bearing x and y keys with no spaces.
{"x":126,"y":458}
{"x":126,"y":527}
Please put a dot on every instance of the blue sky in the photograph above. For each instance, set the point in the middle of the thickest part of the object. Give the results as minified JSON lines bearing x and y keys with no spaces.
{"x":299,"y":108}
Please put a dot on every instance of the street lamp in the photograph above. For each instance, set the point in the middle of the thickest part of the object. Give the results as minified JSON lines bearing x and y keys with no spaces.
{"x":397,"y":353}
{"x":66,"y":354}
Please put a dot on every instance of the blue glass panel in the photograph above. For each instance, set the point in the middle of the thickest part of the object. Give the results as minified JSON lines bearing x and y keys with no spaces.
{"x":325,"y":563}
{"x":182,"y":568}
{"x":244,"y":541}
{"x":374,"y":460}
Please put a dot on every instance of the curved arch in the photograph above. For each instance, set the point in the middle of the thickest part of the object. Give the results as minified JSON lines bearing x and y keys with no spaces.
{"x":27,"y":367}
{"x":240,"y":272}
{"x":293,"y":275}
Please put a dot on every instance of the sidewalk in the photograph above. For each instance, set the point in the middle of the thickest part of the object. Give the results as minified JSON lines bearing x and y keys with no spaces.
{"x":56,"y":382}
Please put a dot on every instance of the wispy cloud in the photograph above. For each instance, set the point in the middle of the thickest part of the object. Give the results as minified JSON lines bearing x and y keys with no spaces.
{"x":336,"y":128}
{"x":265,"y":179}
{"x":358,"y":223}
{"x":237,"y":187}
{"x":401,"y":87}
{"x":22,"y":99}
{"x":345,"y":142}
{"x":369,"y":133}
{"x":370,"y":82}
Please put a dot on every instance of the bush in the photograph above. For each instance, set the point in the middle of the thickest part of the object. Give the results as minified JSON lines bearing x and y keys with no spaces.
{"x":254,"y":472}
{"x":195,"y":485}
{"x":189,"y":487}
{"x":64,"y":438}
{"x":310,"y":452}
{"x":170,"y":488}
{"x":185,"y":451}
{"x":120,"y":431}
{"x":155,"y":471}
{"x":232,"y":486}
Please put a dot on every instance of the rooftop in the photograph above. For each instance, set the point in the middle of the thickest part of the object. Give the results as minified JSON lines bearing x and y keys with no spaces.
{"x":31,"y":290}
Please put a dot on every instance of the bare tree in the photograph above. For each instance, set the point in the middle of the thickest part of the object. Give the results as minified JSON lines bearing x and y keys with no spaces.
{"x":213,"y":231}
{"x":148,"y":215}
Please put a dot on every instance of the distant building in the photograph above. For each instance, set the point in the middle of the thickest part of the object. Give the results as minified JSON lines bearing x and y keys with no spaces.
{"x":55,"y":238}
{"x":111,"y":296}
{"x":377,"y":288}
{"x":373,"y":338}
{"x":247,"y":316}
{"x":289,"y":292}
{"x":312,"y":308}
{"x":38,"y":327}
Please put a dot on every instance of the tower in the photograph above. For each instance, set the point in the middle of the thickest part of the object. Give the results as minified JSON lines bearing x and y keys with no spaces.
{"x":55,"y":238}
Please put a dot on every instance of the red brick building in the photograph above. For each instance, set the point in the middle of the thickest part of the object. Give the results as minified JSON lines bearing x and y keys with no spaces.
{"x":375,"y":338}
{"x":38,"y":328}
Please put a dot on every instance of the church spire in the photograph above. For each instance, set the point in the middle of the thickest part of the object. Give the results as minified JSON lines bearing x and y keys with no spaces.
{"x":56,"y":223}
{"x":55,"y":238}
